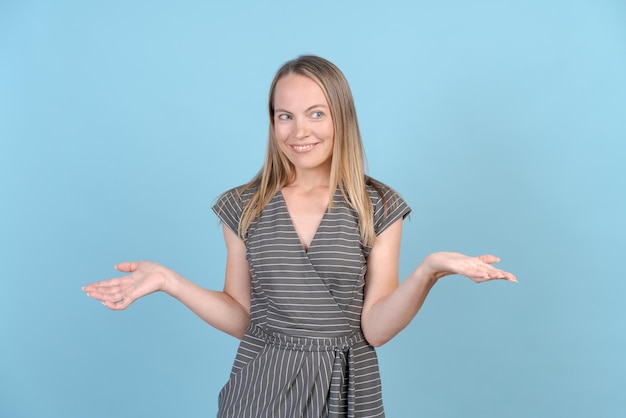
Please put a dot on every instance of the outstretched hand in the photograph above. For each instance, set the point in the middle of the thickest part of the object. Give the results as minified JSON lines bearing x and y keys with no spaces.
{"x":118,"y":293}
{"x":479,"y":269}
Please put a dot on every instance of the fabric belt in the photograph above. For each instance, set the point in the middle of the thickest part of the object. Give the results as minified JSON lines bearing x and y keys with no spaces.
{"x":343,"y":371}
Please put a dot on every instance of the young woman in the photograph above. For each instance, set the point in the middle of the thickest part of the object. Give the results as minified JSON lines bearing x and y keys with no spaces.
{"x":313,"y":246}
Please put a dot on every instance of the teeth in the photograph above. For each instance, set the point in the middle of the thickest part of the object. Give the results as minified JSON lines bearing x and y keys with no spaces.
{"x":301,"y":148}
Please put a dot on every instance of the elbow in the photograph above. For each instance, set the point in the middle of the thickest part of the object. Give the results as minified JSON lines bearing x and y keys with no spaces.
{"x":375,"y":333}
{"x":375,"y":339}
{"x":376,"y":343}
{"x":378,"y":329}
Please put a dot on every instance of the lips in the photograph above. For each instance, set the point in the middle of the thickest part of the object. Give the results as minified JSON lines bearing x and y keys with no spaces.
{"x":302,"y":148}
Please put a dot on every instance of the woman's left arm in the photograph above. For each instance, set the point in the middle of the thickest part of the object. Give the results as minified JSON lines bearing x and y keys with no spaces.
{"x":389,"y":306}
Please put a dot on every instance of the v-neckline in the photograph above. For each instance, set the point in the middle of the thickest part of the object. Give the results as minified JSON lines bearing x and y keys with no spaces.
{"x":306,"y":249}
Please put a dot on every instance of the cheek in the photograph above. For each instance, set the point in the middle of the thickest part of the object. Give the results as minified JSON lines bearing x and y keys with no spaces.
{"x":281,"y":133}
{"x":330,"y":131}
{"x":280,"y":141}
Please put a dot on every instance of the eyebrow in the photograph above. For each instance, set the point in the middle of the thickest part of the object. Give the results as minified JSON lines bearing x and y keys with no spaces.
{"x":308,"y":109}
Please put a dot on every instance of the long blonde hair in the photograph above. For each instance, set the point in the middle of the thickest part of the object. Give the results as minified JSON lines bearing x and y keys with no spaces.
{"x":348,"y":161}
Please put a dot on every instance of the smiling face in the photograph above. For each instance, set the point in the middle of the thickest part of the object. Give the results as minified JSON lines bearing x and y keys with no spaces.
{"x":303,"y":125}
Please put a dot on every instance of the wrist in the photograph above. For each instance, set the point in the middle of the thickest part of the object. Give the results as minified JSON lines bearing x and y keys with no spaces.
{"x":426,"y":273}
{"x":441,"y":264}
{"x":168,"y":280}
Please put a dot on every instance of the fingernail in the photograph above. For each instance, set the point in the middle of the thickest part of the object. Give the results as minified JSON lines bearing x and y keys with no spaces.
{"x":88,"y":294}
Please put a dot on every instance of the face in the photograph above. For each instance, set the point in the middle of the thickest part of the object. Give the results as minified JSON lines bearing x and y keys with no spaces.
{"x":303,"y":125}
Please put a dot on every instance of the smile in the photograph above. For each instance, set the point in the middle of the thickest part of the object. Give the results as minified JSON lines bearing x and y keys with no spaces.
{"x":302,"y":148}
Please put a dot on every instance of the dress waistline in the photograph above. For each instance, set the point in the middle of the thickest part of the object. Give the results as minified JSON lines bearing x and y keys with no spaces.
{"x":342,"y":394}
{"x":290,"y":342}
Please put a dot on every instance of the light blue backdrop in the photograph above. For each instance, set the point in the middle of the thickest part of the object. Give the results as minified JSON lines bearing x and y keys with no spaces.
{"x":502,"y":123}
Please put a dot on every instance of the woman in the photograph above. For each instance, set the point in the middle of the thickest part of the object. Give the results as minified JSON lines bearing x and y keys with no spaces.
{"x":313,"y":245}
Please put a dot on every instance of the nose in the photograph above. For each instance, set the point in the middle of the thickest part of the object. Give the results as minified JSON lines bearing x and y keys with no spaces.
{"x":302,"y":128}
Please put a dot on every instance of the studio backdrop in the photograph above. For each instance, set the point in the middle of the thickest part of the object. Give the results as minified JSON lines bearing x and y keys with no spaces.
{"x":502,"y":123}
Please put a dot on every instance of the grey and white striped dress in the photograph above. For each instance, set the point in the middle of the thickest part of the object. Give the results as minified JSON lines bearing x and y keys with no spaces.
{"x":303,"y":354}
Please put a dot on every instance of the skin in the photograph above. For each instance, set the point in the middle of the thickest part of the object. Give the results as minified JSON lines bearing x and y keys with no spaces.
{"x":304,"y":133}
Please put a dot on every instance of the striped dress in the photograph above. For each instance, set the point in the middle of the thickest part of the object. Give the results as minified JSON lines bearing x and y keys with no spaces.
{"x":304,"y":354}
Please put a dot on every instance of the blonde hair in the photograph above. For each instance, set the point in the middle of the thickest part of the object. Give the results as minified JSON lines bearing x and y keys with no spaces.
{"x":348,"y":161}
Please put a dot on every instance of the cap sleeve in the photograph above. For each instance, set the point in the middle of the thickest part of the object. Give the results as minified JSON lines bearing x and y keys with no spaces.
{"x":228,"y":209}
{"x":388,"y":206}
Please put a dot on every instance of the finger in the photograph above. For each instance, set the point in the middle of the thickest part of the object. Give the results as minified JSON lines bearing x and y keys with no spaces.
{"x":117,"y":305}
{"x":497,"y":273}
{"x":502,"y":275}
{"x":112,"y":286}
{"x":114,"y":297}
{"x":127,"y":266}
{"x":104,"y":284}
{"x":110,"y":295}
{"x":484,"y":272}
{"x":510,"y":277}
{"x":488,"y":258}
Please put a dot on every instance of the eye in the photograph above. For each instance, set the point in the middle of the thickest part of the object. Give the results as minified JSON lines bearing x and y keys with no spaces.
{"x":317,"y":114}
{"x":283,"y":116}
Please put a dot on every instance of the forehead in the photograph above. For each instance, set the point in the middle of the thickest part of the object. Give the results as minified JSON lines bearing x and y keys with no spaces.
{"x":296,"y":90}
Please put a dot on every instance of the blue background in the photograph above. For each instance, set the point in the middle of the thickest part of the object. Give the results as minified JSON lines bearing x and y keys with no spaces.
{"x":502,"y":123}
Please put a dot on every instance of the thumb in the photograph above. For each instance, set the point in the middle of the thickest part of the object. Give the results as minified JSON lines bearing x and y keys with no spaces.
{"x":488,"y":258}
{"x":126,"y":266}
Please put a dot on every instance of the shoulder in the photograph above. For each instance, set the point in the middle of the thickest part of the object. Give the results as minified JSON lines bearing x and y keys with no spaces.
{"x":237,"y":196}
{"x":379,"y":191}
{"x":387,"y":204}
{"x":229,"y":205}
{"x":382,"y":194}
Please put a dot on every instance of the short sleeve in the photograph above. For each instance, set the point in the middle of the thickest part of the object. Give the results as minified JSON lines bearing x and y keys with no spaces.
{"x":228,"y":209}
{"x":388,"y":206}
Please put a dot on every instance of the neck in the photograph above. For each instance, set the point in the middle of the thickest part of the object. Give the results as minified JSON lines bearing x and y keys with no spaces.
{"x":310,"y":179}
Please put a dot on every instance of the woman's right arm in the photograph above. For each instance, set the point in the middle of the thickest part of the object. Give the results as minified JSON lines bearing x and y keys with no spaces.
{"x":228,"y":310}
